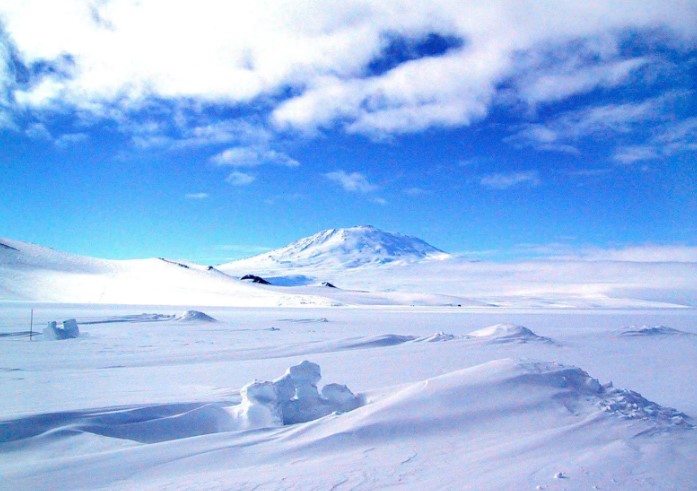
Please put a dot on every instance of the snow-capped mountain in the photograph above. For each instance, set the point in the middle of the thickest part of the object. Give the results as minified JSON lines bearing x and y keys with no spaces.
{"x":343,"y":248}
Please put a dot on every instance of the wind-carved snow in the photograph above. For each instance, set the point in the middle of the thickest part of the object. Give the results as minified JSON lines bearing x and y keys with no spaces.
{"x":70,"y":330}
{"x":623,"y":403}
{"x":508,"y":333}
{"x":346,"y":247}
{"x":290,"y":399}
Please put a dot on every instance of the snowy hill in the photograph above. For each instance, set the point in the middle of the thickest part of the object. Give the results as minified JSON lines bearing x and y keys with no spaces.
{"x":30,"y":272}
{"x":344,"y":248}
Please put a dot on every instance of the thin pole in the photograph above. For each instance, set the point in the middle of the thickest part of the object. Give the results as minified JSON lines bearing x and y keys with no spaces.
{"x":31,"y":325}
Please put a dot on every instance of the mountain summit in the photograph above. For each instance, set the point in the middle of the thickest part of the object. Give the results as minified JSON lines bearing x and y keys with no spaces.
{"x":347,"y":248}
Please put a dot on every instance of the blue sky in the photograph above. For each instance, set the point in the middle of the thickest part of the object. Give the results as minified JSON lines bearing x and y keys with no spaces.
{"x":210,"y":132}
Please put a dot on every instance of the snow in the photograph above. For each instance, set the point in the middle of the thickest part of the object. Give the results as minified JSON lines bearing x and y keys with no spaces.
{"x":484,"y":376}
{"x":194,"y":316}
{"x":371,"y":267}
{"x":69,"y":330}
{"x":138,"y":404}
{"x":652,"y":331}
{"x":345,"y":248}
{"x":507,"y":333}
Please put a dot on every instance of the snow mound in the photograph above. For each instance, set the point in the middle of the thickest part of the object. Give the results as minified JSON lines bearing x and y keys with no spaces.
{"x":194,"y":315}
{"x":70,"y":330}
{"x":623,"y":403}
{"x":653,"y":331}
{"x":292,"y":398}
{"x":437,"y":337}
{"x":508,"y":333}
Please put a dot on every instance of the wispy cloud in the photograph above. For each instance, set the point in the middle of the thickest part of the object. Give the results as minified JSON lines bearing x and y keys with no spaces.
{"x":501,"y":181}
{"x":563,"y":131}
{"x":415,"y":192}
{"x":240,"y":179}
{"x":669,"y":139}
{"x":196,"y":196}
{"x":38,"y":131}
{"x":643,"y":254}
{"x":252,"y":157}
{"x":69,"y":139}
{"x":352,"y":182}
{"x":286,"y":197}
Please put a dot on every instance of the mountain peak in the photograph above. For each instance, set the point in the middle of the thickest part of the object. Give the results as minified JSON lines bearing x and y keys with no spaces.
{"x":348,"y":248}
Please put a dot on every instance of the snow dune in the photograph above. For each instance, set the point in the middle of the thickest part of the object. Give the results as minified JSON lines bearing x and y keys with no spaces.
{"x":538,"y":420}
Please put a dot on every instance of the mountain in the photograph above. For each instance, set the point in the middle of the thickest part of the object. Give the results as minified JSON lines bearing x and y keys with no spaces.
{"x":343,"y":248}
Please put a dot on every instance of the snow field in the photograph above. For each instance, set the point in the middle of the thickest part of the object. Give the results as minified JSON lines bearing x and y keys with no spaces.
{"x":146,"y":401}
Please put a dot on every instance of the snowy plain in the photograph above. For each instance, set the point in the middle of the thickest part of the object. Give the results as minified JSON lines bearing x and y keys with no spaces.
{"x":436,"y":373}
{"x":143,"y":401}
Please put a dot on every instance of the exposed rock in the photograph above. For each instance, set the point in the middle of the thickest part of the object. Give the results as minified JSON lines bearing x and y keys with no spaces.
{"x":255,"y":279}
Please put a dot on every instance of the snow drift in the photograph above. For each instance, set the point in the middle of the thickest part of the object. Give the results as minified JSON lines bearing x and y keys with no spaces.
{"x":537,"y":420}
{"x":507,"y":333}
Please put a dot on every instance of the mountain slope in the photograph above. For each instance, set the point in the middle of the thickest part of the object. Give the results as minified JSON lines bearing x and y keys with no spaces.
{"x":344,"y":248}
{"x":30,"y":272}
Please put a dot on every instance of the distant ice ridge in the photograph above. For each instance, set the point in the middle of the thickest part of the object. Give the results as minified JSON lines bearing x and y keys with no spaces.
{"x":292,"y":398}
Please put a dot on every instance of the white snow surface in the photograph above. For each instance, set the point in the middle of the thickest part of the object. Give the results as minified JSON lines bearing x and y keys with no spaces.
{"x":137,"y":402}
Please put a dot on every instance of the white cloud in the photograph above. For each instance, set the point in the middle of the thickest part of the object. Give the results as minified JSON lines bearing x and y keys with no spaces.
{"x":196,"y":196}
{"x":353,"y":182}
{"x":379,"y":201}
{"x":501,"y":181}
{"x":240,"y":179}
{"x":252,"y":157}
{"x":575,"y":78}
{"x":113,"y":58}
